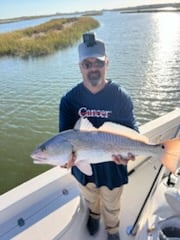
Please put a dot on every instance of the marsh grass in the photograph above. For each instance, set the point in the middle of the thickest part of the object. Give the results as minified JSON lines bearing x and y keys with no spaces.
{"x":46,"y":38}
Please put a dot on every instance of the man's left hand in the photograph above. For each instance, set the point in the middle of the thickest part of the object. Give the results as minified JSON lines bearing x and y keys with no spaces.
{"x":119,"y":159}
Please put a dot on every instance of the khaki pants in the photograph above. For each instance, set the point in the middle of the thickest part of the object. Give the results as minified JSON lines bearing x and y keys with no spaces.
{"x":105,"y":201}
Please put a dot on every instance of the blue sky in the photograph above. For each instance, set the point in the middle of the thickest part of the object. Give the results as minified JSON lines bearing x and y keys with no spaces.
{"x":18,"y":8}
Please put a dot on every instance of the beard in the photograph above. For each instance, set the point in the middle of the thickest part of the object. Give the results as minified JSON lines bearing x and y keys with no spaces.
{"x":94,"y":78}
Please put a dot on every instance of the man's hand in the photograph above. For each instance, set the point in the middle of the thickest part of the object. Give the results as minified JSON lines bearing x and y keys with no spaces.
{"x":71,"y":162}
{"x":119,"y":159}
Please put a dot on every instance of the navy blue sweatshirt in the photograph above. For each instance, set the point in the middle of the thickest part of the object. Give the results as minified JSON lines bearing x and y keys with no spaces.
{"x":113,"y":104}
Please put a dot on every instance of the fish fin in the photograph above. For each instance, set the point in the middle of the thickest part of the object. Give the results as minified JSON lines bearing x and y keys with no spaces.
{"x":84,"y":167}
{"x":83,"y":124}
{"x":171,"y":156}
{"x":124,"y":131}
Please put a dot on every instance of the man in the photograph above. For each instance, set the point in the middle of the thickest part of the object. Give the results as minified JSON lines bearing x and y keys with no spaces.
{"x":99,"y":100}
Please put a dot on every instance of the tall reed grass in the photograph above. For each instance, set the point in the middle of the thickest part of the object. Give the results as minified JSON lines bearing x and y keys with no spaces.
{"x":45,"y":38}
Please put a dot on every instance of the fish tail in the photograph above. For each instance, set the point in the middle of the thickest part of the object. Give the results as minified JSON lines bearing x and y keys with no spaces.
{"x":171,"y":156}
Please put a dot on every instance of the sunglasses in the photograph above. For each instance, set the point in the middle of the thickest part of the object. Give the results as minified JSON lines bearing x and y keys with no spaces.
{"x":96,"y":64}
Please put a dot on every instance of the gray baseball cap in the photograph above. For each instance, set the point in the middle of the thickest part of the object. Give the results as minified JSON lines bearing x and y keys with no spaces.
{"x":97,"y":50}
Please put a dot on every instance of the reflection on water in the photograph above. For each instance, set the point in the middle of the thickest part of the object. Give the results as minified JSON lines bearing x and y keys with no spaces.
{"x":144,"y":52}
{"x":160,"y":90}
{"x":167,"y":46}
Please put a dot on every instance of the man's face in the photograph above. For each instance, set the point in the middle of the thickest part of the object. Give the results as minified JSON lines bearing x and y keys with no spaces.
{"x":93,"y":71}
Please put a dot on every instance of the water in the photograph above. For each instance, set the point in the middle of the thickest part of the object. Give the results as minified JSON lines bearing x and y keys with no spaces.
{"x":144,"y":53}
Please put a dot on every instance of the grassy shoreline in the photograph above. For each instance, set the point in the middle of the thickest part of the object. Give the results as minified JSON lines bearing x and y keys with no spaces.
{"x":46,"y":38}
{"x":59,"y":15}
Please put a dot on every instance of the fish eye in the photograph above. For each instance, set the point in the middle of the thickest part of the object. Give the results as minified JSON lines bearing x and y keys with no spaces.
{"x":162,"y":146}
{"x":43,"y":148}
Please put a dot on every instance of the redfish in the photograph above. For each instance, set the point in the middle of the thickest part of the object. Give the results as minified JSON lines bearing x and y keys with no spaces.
{"x":97,"y":145}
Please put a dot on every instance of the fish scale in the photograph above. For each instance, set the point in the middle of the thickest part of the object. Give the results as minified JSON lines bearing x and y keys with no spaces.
{"x":114,"y":143}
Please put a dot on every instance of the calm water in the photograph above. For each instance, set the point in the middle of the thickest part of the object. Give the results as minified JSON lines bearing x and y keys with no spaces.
{"x":144,"y":52}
